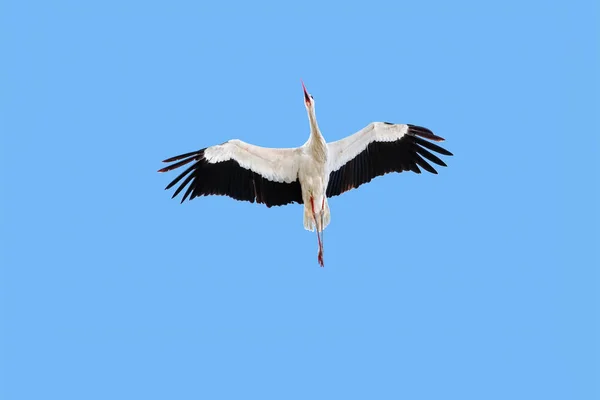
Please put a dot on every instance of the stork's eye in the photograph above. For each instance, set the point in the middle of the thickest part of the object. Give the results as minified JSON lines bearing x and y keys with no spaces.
{"x":312,"y":97}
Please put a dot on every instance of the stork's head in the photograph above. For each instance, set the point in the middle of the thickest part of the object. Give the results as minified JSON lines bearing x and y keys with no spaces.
{"x":309,"y":102}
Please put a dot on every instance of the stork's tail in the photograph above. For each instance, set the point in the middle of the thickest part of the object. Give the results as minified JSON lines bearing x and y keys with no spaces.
{"x":309,"y":219}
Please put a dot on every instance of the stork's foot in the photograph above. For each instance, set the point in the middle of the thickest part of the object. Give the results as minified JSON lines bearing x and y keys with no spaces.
{"x":320,"y":258}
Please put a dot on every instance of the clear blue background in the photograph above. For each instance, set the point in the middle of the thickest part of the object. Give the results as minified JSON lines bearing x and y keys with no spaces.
{"x":478,"y":283}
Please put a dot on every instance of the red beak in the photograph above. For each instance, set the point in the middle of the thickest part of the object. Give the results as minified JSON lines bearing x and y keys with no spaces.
{"x":306,"y":95}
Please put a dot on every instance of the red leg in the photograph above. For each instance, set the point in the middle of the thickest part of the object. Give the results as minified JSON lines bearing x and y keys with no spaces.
{"x":320,"y":256}
{"x":322,"y":227}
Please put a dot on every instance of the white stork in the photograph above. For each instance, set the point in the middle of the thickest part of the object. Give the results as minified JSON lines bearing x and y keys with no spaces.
{"x":308,"y":174}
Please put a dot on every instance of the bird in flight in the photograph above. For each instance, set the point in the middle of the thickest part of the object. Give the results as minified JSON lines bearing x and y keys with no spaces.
{"x":308,"y":174}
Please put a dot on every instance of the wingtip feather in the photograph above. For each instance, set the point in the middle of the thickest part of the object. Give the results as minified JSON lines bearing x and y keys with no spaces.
{"x":185,"y":155}
{"x":431,"y":146}
{"x":424,"y":132}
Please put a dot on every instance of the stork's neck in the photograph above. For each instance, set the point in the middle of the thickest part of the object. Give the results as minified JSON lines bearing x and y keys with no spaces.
{"x":316,"y":142}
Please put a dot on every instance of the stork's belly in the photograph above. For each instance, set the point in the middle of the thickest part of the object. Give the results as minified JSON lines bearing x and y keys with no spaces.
{"x":313,"y":178}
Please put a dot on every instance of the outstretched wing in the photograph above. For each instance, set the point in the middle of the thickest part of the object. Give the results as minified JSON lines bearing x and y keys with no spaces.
{"x":377,"y":149}
{"x":241,"y":171}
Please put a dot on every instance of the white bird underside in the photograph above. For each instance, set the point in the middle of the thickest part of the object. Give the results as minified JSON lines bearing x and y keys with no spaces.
{"x":270,"y":176}
{"x":308,"y":174}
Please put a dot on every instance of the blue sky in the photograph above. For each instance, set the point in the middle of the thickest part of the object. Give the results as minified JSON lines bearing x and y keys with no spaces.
{"x":478,"y":283}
